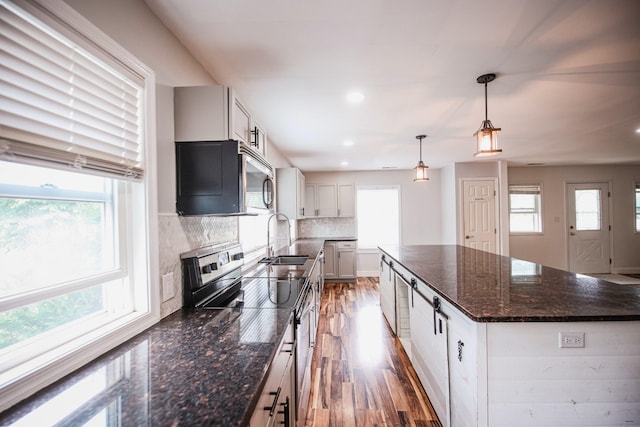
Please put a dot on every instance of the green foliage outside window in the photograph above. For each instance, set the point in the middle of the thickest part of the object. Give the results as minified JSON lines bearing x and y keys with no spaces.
{"x":44,"y":243}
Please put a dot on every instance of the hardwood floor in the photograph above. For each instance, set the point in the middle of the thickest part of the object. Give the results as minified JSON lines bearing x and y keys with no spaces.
{"x":361,"y":376}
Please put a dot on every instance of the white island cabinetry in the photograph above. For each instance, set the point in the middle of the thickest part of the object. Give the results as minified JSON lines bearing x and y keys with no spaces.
{"x":492,"y":354}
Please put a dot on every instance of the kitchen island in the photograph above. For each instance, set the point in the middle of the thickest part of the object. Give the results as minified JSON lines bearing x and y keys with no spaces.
{"x":499,"y":341}
{"x":194,"y":367}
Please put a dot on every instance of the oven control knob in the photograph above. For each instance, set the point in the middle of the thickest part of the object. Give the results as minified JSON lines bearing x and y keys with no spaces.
{"x":238,"y":256}
{"x":206,"y":269}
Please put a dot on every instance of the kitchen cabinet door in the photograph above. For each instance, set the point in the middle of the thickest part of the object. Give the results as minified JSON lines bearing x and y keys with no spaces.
{"x":346,"y":200}
{"x":330,"y":271}
{"x":310,"y":200}
{"x":300,"y":206}
{"x":240,"y":119}
{"x":340,"y":260}
{"x":429,"y":352}
{"x":290,"y":192}
{"x":277,"y":398}
{"x":201,"y":113}
{"x":321,"y":200}
{"x":387,"y":293}
{"x":347,"y":260}
{"x":326,"y":200}
{"x":347,"y":263}
{"x":259,"y":139}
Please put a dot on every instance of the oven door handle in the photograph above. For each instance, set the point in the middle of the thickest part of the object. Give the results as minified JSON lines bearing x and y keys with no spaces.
{"x":307,"y":306}
{"x":303,"y":314}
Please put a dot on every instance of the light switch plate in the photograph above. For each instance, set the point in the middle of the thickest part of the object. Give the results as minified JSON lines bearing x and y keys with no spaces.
{"x":168,"y":290}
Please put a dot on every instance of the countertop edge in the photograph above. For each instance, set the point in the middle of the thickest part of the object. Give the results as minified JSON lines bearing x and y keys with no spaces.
{"x":513,"y":319}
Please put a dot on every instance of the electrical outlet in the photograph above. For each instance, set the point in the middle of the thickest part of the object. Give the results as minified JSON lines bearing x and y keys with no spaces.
{"x":168,"y":290}
{"x":571,"y":339}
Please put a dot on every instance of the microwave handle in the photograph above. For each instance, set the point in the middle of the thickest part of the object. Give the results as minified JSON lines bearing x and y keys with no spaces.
{"x":267,"y":192}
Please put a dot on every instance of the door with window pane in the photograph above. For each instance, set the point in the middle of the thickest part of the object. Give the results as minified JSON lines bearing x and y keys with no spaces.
{"x":588,"y":227}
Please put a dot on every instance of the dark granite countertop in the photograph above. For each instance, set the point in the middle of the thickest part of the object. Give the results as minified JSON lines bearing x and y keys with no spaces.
{"x":194,"y":367}
{"x":200,"y":367}
{"x":493,"y":288}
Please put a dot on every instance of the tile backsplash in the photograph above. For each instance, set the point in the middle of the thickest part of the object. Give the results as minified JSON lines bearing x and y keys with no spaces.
{"x":181,"y":234}
{"x":327,"y":227}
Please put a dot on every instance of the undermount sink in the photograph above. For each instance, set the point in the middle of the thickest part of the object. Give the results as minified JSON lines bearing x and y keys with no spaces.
{"x":286,"y":260}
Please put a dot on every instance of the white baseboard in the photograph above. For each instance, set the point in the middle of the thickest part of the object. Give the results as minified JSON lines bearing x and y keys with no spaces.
{"x":626,"y":270}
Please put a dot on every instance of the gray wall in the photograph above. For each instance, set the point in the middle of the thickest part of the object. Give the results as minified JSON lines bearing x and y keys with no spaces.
{"x":419,"y":209}
{"x":550,"y":248}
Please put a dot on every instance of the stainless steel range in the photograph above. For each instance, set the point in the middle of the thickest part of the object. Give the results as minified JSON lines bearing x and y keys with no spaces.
{"x":213,"y":279}
{"x":211,"y":275}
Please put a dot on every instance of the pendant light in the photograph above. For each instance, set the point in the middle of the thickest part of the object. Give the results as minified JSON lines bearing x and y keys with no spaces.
{"x":421,"y":169}
{"x":487,"y":135}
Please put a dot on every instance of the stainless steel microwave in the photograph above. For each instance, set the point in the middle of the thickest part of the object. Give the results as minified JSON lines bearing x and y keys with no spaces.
{"x":221,"y":178}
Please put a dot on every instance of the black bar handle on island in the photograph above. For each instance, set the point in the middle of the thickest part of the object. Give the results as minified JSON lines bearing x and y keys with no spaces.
{"x":272,"y":408}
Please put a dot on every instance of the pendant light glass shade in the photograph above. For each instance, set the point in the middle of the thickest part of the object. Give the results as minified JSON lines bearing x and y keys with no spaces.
{"x":487,"y":135}
{"x":487,"y":140}
{"x":420,"y":170}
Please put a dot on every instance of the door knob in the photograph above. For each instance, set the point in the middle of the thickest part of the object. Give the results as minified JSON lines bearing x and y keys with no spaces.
{"x":468,"y":237}
{"x":572,"y":233}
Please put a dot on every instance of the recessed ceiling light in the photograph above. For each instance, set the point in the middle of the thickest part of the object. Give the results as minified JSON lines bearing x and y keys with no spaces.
{"x":347,"y":143}
{"x":638,"y":130}
{"x":355,"y":97}
{"x":345,"y":163}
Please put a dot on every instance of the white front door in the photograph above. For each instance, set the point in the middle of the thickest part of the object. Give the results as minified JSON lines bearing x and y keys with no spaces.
{"x":589,"y":228}
{"x":479,"y":206}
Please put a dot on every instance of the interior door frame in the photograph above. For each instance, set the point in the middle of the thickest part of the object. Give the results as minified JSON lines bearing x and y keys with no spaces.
{"x":498,"y":214}
{"x":609,"y":206}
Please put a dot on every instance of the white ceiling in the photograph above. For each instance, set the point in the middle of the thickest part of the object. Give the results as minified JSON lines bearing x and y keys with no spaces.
{"x":567,"y":91}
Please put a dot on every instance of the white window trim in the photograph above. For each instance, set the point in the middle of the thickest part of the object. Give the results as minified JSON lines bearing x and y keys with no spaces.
{"x":142,"y":234}
{"x":526,"y":233}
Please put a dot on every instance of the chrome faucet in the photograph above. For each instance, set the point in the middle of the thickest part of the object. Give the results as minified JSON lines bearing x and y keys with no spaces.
{"x":269,"y":250}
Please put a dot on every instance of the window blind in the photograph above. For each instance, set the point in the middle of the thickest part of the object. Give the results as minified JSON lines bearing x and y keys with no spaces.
{"x":524,"y":189}
{"x":62,"y":105}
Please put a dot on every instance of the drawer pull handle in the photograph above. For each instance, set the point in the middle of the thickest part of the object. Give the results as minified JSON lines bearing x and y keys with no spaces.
{"x":272,"y":408}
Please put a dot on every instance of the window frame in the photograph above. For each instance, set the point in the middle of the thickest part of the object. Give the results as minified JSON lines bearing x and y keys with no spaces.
{"x":138,"y":221}
{"x":537,"y":210}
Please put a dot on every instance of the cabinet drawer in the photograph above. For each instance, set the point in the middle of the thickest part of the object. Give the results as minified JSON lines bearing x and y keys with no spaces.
{"x":347,"y":245}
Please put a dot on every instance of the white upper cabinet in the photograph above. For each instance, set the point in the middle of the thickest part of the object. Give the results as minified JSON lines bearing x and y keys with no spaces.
{"x":201,"y":113}
{"x":321,"y":200}
{"x":215,"y":113}
{"x":240,"y":119}
{"x":259,"y":139}
{"x":329,"y":200}
{"x":346,"y":200}
{"x":290,"y":192}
